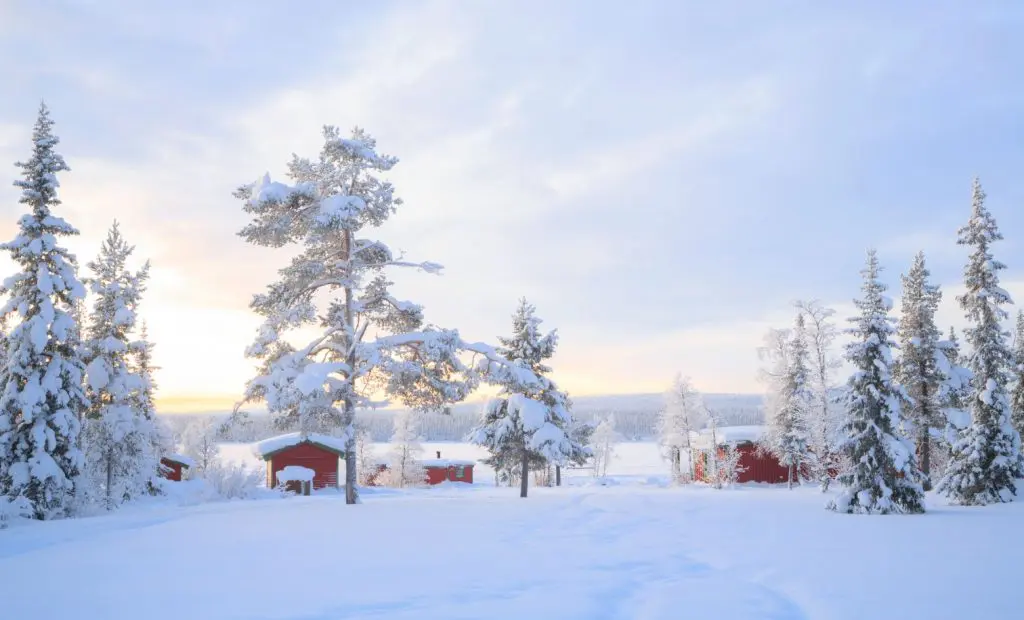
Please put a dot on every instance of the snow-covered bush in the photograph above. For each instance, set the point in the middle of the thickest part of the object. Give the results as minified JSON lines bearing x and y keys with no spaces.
{"x":231,"y":481}
{"x":11,"y":509}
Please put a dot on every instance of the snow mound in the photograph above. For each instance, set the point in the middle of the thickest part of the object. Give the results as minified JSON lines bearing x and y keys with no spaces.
{"x":295,"y":473}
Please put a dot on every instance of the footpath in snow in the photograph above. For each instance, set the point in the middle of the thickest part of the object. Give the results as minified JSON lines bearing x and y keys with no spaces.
{"x":632,"y":552}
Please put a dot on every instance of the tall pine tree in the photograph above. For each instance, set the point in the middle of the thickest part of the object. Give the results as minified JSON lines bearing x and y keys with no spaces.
{"x":42,"y":397}
{"x":527,"y":428}
{"x":1017,"y":395}
{"x":120,"y":437}
{"x":919,"y":367}
{"x":883,"y":477}
{"x":986,"y":457}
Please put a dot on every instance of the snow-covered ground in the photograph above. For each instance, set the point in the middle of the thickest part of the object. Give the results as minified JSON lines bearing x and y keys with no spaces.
{"x":637,"y":550}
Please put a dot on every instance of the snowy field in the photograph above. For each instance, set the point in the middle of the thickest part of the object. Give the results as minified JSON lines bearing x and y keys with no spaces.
{"x":635,"y":550}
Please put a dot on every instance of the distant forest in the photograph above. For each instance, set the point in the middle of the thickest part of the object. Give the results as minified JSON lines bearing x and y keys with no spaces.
{"x":635,"y":417}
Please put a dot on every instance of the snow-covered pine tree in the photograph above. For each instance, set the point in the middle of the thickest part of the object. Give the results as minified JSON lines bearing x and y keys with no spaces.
{"x":603,"y":440}
{"x":405,"y":466}
{"x":919,"y":369}
{"x":986,"y":458}
{"x":526,"y":426}
{"x":682,"y":415}
{"x":42,"y":398}
{"x":120,"y":437}
{"x":789,"y":402}
{"x":823,"y":419}
{"x":1017,"y":395}
{"x":883,"y":476}
{"x":368,"y":340}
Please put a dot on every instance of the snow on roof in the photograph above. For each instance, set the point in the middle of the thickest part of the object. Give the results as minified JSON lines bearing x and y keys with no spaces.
{"x":296,"y":473}
{"x":270,"y":446}
{"x":446,"y":463}
{"x":730,"y":434}
{"x":180,"y":458}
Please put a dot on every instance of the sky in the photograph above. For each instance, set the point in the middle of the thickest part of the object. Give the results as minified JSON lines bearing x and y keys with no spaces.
{"x":661,"y":179}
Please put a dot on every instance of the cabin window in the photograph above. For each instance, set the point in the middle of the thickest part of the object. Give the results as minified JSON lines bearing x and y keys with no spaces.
{"x":460,"y":472}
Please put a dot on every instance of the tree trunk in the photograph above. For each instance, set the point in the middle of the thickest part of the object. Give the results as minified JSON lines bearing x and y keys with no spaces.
{"x":925,"y":455}
{"x":110,"y":478}
{"x":789,"y":482}
{"x":525,"y":477}
{"x":558,"y":475}
{"x":349,"y":414}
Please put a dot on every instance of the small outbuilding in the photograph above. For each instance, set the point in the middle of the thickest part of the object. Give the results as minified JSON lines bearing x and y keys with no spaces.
{"x":323,"y":454}
{"x":448,"y":470}
{"x":172,"y":466}
{"x":755,"y":464}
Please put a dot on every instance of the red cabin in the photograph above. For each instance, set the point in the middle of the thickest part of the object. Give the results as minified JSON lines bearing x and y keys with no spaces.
{"x":755,"y":465}
{"x":321,"y":453}
{"x":447,"y":470}
{"x":172,"y":466}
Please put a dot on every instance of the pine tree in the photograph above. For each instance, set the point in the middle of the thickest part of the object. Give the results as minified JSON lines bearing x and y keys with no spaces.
{"x":42,"y":397}
{"x":919,"y":369}
{"x":368,"y":340}
{"x":1017,"y":395}
{"x":683,"y":414}
{"x":986,"y":458}
{"x":883,"y":477}
{"x":789,"y":405}
{"x":526,"y":426}
{"x":121,"y":437}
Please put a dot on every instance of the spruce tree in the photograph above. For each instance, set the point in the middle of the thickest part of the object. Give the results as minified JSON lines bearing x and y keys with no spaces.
{"x":42,"y":397}
{"x":527,"y":428}
{"x":1017,"y":395}
{"x":883,"y":477}
{"x":120,"y":436}
{"x":919,"y":367}
{"x":790,"y":404}
{"x":986,"y":457}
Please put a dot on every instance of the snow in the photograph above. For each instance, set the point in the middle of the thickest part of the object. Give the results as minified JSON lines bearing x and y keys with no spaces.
{"x":180,"y":458}
{"x":273,"y":444}
{"x":622,"y":550}
{"x":295,"y":473}
{"x":729,"y":435}
{"x":445,"y":462}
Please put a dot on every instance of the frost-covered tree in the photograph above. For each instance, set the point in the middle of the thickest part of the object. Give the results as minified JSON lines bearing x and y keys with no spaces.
{"x":367,"y":461}
{"x":1017,"y":395}
{"x":603,"y":441}
{"x":120,"y":437}
{"x":406,"y":468}
{"x":683,"y":414}
{"x":526,"y":426}
{"x":367,"y":340}
{"x":883,"y":476}
{"x":42,"y":398}
{"x":789,"y":402}
{"x":986,"y":457}
{"x":919,"y":369}
{"x":823,"y":418}
{"x":199,"y":443}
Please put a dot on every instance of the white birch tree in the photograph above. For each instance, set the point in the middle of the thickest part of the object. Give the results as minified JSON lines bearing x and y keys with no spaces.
{"x":683,"y":414}
{"x":406,"y":468}
{"x":823,"y":419}
{"x":603,"y":440}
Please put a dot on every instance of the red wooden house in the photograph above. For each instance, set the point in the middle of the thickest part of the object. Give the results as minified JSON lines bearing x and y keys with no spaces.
{"x":755,"y":465}
{"x":172,"y":466}
{"x":321,"y":453}
{"x":448,"y":470}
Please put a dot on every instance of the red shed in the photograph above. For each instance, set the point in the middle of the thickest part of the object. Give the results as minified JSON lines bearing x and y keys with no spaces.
{"x":448,"y":470}
{"x":321,"y":453}
{"x":754,"y":465}
{"x":171,"y":466}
